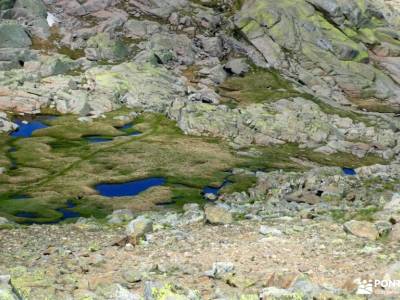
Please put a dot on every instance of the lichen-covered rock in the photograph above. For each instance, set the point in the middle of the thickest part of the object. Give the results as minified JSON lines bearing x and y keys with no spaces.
{"x":74,"y":101}
{"x":98,"y":90}
{"x":20,"y":101}
{"x":393,"y":205}
{"x":6,"y":290}
{"x":141,"y":86}
{"x":279,"y":27}
{"x":12,"y":58}
{"x":120,"y":216}
{"x":220,"y":269}
{"x":32,"y":284}
{"x":138,"y":29}
{"x":103,"y":47}
{"x":115,"y":292}
{"x":168,"y":48}
{"x":56,"y":65}
{"x":92,"y":6}
{"x":212,"y":45}
{"x":361,"y":229}
{"x":327,"y":188}
{"x":276,"y":293}
{"x":162,"y":9}
{"x":159,"y":291}
{"x":32,"y":14}
{"x":33,"y":7}
{"x":137,"y":228}
{"x":266,"y":230}
{"x":237,"y":66}
{"x":218,"y":215}
{"x":192,"y":214}
{"x":13,"y":35}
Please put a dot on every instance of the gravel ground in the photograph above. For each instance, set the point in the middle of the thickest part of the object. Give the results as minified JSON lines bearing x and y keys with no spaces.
{"x":74,"y":260}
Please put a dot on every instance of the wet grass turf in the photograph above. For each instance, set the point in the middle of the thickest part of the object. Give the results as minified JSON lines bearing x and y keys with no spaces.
{"x":259,"y":85}
{"x":56,"y":165}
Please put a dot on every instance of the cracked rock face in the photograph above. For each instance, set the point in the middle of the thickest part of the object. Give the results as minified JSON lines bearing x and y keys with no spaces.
{"x":141,"y":86}
{"x":301,"y":39}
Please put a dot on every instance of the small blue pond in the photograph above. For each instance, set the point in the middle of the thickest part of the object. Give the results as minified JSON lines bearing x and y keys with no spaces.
{"x":128,"y":129}
{"x":97,"y":139}
{"x":211,"y":190}
{"x":135,"y":133}
{"x":349,"y":171}
{"x":26,"y":127}
{"x":26,"y":214}
{"x":67,"y":213}
{"x":20,"y":197}
{"x":215,"y":190}
{"x":131,"y":188}
{"x":12,"y":160}
{"x":125,"y":127}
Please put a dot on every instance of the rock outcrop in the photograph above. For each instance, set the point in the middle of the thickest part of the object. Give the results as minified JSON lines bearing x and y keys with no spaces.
{"x":325,"y":44}
{"x":288,"y":120}
{"x":5,"y":124}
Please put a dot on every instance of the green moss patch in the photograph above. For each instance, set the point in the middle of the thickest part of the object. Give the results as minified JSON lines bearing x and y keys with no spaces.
{"x":257,"y":86}
{"x":239,"y":183}
{"x":375,"y":105}
{"x":280,"y":157}
{"x":57,"y":159}
{"x":51,"y":45}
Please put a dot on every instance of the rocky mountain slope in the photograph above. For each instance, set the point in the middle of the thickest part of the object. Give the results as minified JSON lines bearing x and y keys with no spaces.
{"x":272,"y":127}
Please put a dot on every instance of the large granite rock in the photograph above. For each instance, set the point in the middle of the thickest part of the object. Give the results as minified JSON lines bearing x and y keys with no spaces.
{"x":158,"y":8}
{"x":6,"y":4}
{"x":33,"y":15}
{"x":139,"y":227}
{"x":13,"y":35}
{"x":218,"y":215}
{"x":33,"y":7}
{"x":237,"y":66}
{"x":141,"y":86}
{"x":103,"y":47}
{"x":81,"y":8}
{"x":167,"y":48}
{"x":20,"y":101}
{"x":55,"y":65}
{"x":92,"y":6}
{"x":138,"y":29}
{"x":13,"y":58}
{"x":361,"y":229}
